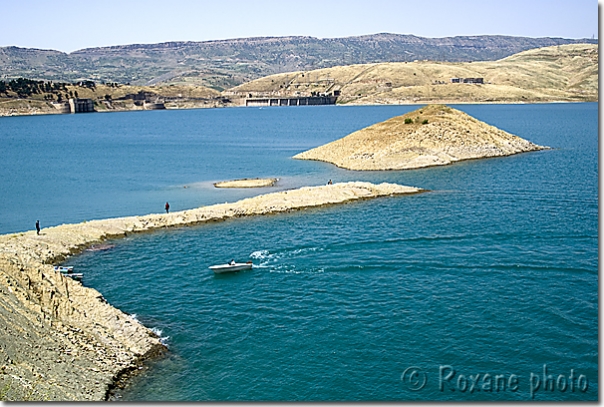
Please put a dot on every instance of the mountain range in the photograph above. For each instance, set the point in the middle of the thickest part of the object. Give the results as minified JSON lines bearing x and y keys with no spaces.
{"x":224,"y":64}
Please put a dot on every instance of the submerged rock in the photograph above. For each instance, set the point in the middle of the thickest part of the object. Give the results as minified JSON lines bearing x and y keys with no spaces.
{"x":430,"y":136}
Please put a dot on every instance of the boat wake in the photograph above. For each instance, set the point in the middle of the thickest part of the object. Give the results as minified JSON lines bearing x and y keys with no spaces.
{"x":283,"y":261}
{"x":260,"y":254}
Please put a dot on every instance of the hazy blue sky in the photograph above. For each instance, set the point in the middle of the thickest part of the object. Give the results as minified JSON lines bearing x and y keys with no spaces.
{"x":68,"y":25}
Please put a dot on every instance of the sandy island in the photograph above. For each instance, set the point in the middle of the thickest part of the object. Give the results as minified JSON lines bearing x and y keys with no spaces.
{"x":63,"y":341}
{"x":429,"y":136}
{"x":247,"y":183}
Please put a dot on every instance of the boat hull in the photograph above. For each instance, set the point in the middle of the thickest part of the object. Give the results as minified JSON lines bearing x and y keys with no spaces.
{"x":74,"y":276}
{"x":230,"y":268}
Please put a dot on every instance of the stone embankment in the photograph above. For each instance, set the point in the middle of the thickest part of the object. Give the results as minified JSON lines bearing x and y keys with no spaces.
{"x":429,"y":136}
{"x":60,"y":340}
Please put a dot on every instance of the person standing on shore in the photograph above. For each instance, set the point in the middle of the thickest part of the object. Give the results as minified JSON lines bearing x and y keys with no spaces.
{"x":38,"y":226}
{"x":167,"y":207}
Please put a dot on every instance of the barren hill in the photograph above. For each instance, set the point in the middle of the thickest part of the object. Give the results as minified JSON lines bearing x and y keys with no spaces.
{"x":558,"y":73}
{"x":430,"y":136}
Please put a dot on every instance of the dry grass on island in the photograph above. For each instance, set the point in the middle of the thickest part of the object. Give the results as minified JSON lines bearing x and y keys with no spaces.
{"x":247,"y":183}
{"x":429,"y":136}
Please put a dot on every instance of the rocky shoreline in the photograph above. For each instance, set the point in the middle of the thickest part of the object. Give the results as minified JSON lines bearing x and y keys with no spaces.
{"x":63,"y":341}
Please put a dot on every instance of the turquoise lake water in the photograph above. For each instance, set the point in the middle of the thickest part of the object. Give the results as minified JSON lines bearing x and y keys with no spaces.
{"x":484,"y":288}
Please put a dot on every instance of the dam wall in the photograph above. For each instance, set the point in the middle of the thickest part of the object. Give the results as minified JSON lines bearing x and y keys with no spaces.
{"x":292,"y":101}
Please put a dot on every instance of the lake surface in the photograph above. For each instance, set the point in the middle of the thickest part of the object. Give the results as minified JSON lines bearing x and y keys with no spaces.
{"x":485,"y":288}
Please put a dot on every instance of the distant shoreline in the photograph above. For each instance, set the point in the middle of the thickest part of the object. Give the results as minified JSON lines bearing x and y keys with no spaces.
{"x":448,"y":102}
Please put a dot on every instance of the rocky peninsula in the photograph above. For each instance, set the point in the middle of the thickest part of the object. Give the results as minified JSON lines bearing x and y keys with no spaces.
{"x":63,"y":341}
{"x":429,"y":136}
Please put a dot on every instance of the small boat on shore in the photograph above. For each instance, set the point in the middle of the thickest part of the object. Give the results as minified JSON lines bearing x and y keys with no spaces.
{"x":231,"y":267}
{"x":67,"y":271}
{"x":74,"y":276}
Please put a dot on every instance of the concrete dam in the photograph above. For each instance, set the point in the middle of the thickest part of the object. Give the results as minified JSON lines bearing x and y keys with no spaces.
{"x":292,"y":101}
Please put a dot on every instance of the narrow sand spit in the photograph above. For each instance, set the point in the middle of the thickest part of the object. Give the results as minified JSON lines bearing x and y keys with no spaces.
{"x":60,"y":340}
{"x":247,"y":183}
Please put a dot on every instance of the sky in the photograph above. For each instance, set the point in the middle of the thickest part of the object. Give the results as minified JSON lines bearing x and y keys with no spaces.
{"x":68,"y":25}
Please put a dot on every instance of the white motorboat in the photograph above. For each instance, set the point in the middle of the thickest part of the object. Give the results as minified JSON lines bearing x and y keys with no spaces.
{"x":74,"y":276}
{"x":67,"y":271}
{"x":231,"y":267}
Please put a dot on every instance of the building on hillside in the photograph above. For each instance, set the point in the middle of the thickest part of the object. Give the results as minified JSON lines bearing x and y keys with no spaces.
{"x":77,"y":105}
{"x":62,"y":107}
{"x":157,"y":105}
{"x":467,"y":80}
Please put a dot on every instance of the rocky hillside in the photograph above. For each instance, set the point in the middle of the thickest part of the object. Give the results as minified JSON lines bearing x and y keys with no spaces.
{"x":58,"y":339}
{"x":558,"y":73}
{"x":112,"y":97}
{"x":227,"y":63}
{"x":430,"y":136}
